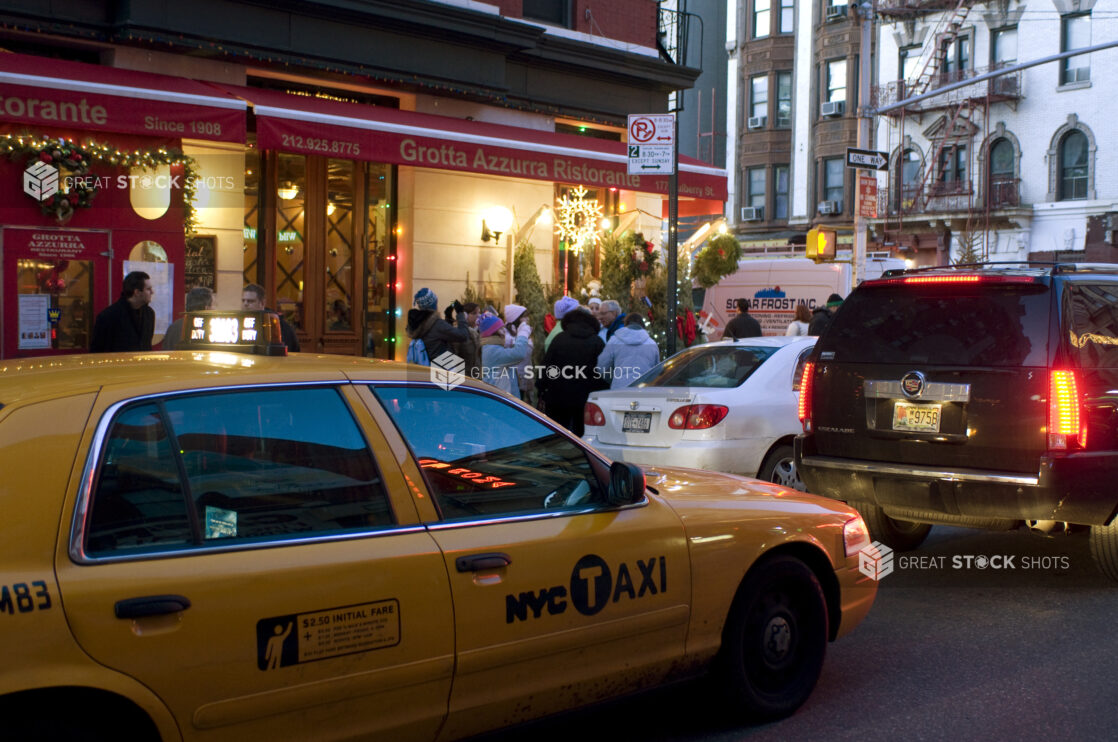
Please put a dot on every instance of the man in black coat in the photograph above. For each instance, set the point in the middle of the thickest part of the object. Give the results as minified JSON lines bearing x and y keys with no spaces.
{"x":252,"y":299}
{"x":569,"y":370}
{"x":744,"y":325}
{"x":821,"y":316}
{"x":129,"y":323}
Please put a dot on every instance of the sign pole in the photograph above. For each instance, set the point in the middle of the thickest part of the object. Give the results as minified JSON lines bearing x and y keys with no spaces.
{"x":861,"y":228}
{"x":673,"y":235}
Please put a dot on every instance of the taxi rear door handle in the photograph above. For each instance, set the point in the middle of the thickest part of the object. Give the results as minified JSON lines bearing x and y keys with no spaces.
{"x":478,"y":562}
{"x":152,"y":605}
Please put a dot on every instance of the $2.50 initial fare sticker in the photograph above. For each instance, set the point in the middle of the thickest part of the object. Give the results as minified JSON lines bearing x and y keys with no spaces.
{"x":306,"y":637}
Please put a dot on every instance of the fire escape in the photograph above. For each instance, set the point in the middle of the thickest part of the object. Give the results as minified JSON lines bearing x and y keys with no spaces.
{"x":937,"y":194}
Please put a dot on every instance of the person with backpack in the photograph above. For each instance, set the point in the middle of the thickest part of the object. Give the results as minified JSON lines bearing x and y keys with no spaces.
{"x":430,"y":334}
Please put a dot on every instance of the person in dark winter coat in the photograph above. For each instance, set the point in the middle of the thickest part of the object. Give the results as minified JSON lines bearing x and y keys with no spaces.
{"x":436,"y":333}
{"x":252,"y":299}
{"x":129,"y":322}
{"x":570,"y":370}
{"x":743,"y":325}
{"x":198,"y":299}
{"x":468,"y":350}
{"x":821,"y":316}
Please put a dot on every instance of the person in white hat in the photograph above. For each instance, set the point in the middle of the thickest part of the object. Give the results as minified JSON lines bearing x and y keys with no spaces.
{"x":562,"y":306}
{"x":516,"y":318}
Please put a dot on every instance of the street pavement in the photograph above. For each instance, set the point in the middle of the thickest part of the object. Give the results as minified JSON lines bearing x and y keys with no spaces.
{"x":1024,"y":651}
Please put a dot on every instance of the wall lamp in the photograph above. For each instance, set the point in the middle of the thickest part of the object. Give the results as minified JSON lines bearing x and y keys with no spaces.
{"x":494,"y":222}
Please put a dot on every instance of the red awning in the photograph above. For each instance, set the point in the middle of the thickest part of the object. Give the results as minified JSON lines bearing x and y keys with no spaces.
{"x":318,"y":126}
{"x":51,"y":92}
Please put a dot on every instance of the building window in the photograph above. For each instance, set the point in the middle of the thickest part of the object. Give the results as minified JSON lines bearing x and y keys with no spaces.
{"x":762,"y":18}
{"x":833,"y":186}
{"x":755,"y":181}
{"x":909,"y":63}
{"x":787,"y":16}
{"x":759,"y":95}
{"x":557,"y":12}
{"x":1001,"y":185}
{"x":951,"y":169}
{"x":1075,"y":33}
{"x":1073,"y":167}
{"x":780,"y":191}
{"x":836,"y":81}
{"x":1003,"y":46}
{"x":909,"y":166}
{"x":955,"y":59}
{"x":784,"y":99}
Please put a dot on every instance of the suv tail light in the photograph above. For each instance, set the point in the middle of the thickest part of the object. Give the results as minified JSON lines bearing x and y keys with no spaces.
{"x":803,"y":407}
{"x":697,"y":416}
{"x":592,"y":415}
{"x":1067,"y":423}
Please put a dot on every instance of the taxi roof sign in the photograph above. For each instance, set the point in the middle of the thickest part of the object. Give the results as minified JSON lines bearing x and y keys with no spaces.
{"x":256,"y":332}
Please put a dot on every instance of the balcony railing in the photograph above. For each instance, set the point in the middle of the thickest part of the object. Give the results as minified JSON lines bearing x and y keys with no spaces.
{"x":952,"y":196}
{"x":1004,"y":192}
{"x":912,"y":8}
{"x":998,"y":89}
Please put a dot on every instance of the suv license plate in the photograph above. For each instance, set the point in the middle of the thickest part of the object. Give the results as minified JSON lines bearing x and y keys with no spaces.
{"x":637,"y":422}
{"x":916,"y":418}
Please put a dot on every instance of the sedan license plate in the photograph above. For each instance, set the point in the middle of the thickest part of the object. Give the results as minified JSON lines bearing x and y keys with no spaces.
{"x":637,"y":422}
{"x":917,"y":418}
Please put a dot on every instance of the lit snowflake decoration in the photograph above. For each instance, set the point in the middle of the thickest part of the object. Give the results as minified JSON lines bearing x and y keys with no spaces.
{"x":578,"y":219}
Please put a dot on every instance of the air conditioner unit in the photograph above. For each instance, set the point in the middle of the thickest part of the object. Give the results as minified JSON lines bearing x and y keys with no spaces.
{"x":757,"y":122}
{"x":752,"y":213}
{"x":833,"y":108}
{"x":835,"y":12}
{"x":783,"y":122}
{"x":829,"y":207}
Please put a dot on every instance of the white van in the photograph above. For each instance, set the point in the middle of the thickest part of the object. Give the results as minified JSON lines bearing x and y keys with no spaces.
{"x":774,"y":286}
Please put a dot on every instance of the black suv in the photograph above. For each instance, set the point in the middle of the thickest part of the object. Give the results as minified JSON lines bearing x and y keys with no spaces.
{"x":982,"y":396}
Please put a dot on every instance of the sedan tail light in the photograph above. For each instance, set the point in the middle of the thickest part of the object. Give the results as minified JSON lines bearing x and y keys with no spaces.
{"x":803,"y":406}
{"x":1067,"y":423}
{"x":592,"y":415}
{"x":697,"y":416}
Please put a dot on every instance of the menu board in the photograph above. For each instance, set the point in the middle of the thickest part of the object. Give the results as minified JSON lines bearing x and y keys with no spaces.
{"x":200,"y":262}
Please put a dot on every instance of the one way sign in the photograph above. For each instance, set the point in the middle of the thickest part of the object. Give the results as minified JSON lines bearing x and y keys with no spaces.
{"x":866,"y":158}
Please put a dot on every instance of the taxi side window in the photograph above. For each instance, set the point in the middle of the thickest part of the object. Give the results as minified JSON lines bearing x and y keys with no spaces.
{"x":259,"y":465}
{"x":139,"y":504}
{"x":482,"y":457}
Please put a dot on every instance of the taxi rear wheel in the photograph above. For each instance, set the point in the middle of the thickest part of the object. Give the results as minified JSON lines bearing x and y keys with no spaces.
{"x":775,"y":639}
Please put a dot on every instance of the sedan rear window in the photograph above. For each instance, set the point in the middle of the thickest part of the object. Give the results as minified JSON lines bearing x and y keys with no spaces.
{"x":710,"y":367}
{"x":996,"y":325}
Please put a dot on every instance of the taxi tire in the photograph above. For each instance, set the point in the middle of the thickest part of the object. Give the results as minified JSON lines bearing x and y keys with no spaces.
{"x":782,"y":601}
{"x":898,"y":535}
{"x":780,"y":468}
{"x":1104,"y":549}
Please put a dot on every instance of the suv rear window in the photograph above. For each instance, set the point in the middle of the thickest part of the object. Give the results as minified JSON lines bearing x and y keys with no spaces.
{"x":1092,"y":323}
{"x":956,"y":325}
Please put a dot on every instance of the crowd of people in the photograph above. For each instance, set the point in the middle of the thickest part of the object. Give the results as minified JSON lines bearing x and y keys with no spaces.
{"x":592,"y":346}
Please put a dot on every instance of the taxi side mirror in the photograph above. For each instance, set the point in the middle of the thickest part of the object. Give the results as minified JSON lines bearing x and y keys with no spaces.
{"x":626,"y":483}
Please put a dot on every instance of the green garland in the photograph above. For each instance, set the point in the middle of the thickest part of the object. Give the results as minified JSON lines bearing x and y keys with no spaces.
{"x":719,"y":258}
{"x":66,"y":155}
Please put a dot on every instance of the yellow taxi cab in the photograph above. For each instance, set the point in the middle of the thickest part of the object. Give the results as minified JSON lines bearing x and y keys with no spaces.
{"x":214,"y":545}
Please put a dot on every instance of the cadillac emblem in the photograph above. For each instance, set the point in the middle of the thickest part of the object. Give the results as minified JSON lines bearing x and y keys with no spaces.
{"x":912,"y":384}
{"x":633,"y":405}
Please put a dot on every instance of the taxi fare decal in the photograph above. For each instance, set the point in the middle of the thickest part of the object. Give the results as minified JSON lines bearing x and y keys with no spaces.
{"x":333,"y":632}
{"x":592,"y":587}
{"x":24,"y":598}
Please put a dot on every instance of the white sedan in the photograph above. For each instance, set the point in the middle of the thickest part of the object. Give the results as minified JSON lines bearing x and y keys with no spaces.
{"x":728,"y":406}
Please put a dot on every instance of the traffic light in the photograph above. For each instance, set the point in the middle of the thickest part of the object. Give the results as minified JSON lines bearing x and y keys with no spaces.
{"x":821,"y":244}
